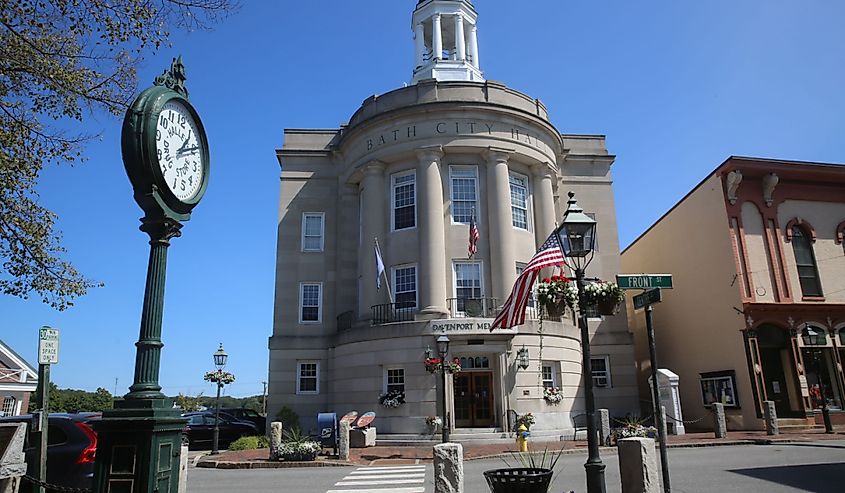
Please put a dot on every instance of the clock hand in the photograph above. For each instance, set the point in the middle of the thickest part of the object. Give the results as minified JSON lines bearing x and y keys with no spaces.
{"x":189,"y":150}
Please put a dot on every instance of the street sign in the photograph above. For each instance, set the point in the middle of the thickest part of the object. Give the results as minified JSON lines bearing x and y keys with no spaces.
{"x":48,"y":346}
{"x":649,"y":297}
{"x":644,"y":281}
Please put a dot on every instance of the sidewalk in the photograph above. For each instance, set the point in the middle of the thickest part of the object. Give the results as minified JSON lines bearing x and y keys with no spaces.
{"x":383,"y":455}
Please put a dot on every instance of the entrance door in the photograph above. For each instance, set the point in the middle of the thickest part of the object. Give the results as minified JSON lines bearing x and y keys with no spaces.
{"x":473,"y":399}
{"x":775,"y":380}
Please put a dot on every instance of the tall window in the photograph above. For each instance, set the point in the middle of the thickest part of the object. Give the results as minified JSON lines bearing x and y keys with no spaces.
{"x":394,"y":380}
{"x":404,"y":201}
{"x":9,"y":406}
{"x":519,"y":201}
{"x":549,"y":379}
{"x":805,"y":260}
{"x":310,"y":299}
{"x":600,"y":367}
{"x":464,"y":193}
{"x":312,"y":231}
{"x":467,"y":283}
{"x":405,"y":281}
{"x":308,"y":377}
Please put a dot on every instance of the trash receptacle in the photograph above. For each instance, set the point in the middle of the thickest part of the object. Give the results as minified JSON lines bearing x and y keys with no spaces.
{"x":519,"y":480}
{"x":327,"y":424}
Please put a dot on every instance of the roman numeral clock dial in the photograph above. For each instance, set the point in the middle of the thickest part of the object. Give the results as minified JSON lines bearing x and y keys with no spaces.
{"x":178,"y":149}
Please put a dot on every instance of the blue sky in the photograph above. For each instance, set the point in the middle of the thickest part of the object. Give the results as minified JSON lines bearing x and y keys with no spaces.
{"x":676,"y":87}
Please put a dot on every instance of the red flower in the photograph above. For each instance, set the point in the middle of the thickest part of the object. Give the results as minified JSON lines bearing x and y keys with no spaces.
{"x":546,"y":280}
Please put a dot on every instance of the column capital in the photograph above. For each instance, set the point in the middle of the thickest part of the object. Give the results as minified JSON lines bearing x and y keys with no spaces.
{"x":541,"y":171}
{"x":374,"y":167}
{"x":430,"y":153}
{"x":495,"y":155}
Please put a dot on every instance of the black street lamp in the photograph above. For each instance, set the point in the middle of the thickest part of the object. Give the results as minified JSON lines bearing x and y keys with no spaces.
{"x":443,"y":351}
{"x":577,"y":234}
{"x":220,"y":358}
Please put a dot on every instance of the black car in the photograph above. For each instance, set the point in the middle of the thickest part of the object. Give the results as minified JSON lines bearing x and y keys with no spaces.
{"x":71,"y":449}
{"x":200,"y":429}
{"x":246,"y":414}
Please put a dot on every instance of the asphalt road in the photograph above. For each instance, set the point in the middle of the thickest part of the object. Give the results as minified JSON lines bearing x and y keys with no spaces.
{"x":817,"y":467}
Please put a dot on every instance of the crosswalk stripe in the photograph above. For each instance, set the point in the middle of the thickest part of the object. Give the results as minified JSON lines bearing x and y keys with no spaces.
{"x":413,"y":489}
{"x":370,"y":471}
{"x":382,"y":476}
{"x":393,"y":468}
{"x":379,"y":481}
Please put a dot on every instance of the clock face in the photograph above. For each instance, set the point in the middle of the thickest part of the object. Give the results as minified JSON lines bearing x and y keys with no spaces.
{"x":179,"y":150}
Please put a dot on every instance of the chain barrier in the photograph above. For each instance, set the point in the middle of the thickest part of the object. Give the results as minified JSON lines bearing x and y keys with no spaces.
{"x":53,"y":487}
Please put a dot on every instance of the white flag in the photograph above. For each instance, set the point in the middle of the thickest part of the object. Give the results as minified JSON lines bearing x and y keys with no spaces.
{"x":379,"y":267}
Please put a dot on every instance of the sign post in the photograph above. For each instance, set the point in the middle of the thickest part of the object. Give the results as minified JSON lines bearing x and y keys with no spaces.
{"x":48,"y":354}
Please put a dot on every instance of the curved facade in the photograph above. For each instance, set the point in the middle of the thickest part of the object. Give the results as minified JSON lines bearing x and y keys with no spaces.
{"x":412,"y":169}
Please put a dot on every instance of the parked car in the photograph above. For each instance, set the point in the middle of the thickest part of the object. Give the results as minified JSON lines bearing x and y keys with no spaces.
{"x":200,"y":429}
{"x":71,"y":449}
{"x":246,"y":414}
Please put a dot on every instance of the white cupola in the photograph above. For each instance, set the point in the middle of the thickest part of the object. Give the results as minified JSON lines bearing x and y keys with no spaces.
{"x":445,"y":41}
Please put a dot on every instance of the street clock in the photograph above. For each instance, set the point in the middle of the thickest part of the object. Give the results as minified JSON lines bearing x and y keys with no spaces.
{"x":165,"y":149}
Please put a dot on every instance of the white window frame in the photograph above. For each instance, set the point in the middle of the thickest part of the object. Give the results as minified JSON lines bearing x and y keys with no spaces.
{"x":606,"y":369}
{"x":396,"y":291}
{"x":455,"y":263}
{"x":527,"y":209}
{"x":322,"y":216}
{"x":385,"y":378}
{"x":552,"y":366}
{"x":10,"y":406}
{"x":319,"y":302}
{"x":452,"y":192}
{"x":299,"y":377}
{"x":393,"y":186}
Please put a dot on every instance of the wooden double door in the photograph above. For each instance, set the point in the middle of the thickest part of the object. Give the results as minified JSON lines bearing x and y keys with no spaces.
{"x":474,"y":399}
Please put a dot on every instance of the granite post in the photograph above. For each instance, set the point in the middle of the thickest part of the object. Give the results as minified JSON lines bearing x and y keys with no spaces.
{"x":771,"y":416}
{"x":719,"y":426}
{"x":638,"y":465}
{"x":343,"y":441}
{"x":604,"y":426}
{"x":183,"y":469}
{"x":275,"y":439}
{"x":448,"y":468}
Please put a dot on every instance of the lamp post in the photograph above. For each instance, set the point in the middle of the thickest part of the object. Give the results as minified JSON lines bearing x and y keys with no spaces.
{"x":443,"y":351}
{"x":813,"y":338}
{"x":577,"y":233}
{"x":220,"y":358}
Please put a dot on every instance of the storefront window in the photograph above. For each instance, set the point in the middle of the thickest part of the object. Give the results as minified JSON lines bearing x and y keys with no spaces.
{"x":821,"y":378}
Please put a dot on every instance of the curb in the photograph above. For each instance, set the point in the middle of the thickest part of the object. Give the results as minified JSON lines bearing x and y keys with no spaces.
{"x":223,"y":464}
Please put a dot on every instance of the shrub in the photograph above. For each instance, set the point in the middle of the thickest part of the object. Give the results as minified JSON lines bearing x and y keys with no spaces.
{"x":289,"y":418}
{"x":250,"y":443}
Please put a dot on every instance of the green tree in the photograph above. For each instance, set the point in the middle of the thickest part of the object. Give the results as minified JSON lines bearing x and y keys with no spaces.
{"x":60,"y":62}
{"x":188,"y":403}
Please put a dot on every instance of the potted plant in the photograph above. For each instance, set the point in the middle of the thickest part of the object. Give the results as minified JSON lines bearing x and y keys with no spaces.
{"x":606,"y":295}
{"x":555,"y":294}
{"x":527,"y":472}
{"x":297,"y":447}
{"x":391,"y":399}
{"x":632,"y":426}
{"x":433,"y":423}
{"x":433,"y":365}
{"x":552,"y":395}
{"x":526,"y":419}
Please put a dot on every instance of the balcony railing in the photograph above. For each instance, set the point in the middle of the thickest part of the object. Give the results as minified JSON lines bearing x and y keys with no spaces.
{"x":393,"y":312}
{"x":473,"y":307}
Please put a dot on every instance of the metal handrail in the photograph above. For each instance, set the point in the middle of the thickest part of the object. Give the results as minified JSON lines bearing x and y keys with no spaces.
{"x":473,"y":307}
{"x":393,"y":312}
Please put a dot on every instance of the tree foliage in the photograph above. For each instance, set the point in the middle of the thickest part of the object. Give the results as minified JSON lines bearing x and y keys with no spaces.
{"x":60,"y":62}
{"x":73,"y":400}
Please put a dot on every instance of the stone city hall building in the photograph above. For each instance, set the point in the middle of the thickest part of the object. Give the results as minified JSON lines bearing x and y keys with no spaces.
{"x":412,"y":168}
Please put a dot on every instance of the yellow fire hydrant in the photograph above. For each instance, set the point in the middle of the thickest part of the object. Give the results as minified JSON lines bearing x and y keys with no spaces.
{"x":522,"y":435}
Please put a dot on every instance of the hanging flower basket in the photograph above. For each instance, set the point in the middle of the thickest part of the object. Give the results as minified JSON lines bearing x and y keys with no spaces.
{"x":552,"y":395}
{"x":432,"y":365}
{"x":608,"y":307}
{"x":391,"y":399}
{"x":607,"y":296}
{"x":219,"y":377}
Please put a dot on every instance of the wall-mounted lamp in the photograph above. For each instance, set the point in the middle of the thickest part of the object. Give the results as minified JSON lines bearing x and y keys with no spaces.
{"x":428,"y":352}
{"x":522,"y":358}
{"x":813,"y":337}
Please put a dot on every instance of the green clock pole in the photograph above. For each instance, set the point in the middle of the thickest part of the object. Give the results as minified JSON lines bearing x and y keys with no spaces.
{"x":140,"y":441}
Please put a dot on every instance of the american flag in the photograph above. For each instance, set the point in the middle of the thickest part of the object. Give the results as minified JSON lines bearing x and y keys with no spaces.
{"x":513,"y":311}
{"x":473,"y":237}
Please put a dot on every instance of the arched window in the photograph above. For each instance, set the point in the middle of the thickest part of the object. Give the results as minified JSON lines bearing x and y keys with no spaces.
{"x":9,"y":406}
{"x":805,"y":260}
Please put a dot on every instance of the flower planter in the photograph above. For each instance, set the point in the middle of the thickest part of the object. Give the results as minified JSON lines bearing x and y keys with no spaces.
{"x":555,"y":310}
{"x":519,"y":480}
{"x":608,"y":307}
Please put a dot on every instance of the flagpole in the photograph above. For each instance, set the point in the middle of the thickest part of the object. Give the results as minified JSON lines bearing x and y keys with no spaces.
{"x":384,"y":273}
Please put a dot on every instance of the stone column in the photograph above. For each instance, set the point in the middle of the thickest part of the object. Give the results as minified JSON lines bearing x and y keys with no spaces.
{"x":473,"y":45}
{"x":771,"y":416}
{"x":275,"y":439}
{"x":419,"y":43}
{"x":436,"y":38}
{"x":502,"y":256}
{"x":432,"y":236}
{"x":448,"y":468}
{"x":720,"y":428}
{"x":343,"y":441}
{"x":604,"y":426}
{"x":638,"y":465}
{"x":372,"y":226}
{"x":544,"y":204}
{"x":460,"y":40}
